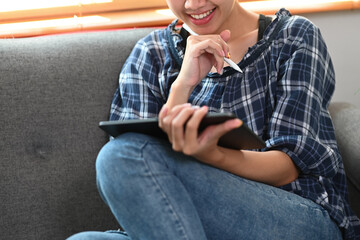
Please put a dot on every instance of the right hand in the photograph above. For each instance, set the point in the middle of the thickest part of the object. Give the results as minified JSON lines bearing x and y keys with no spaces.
{"x":181,"y":124}
{"x":202,"y":53}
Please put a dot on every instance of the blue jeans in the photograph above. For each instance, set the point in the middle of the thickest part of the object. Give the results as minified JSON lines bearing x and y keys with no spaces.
{"x":156,"y":193}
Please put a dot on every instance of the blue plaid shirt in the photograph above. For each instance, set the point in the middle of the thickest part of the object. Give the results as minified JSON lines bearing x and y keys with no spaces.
{"x":283,"y":96}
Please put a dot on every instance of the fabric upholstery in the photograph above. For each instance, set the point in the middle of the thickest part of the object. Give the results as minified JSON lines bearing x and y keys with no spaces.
{"x":346,"y":118}
{"x":53,"y":92}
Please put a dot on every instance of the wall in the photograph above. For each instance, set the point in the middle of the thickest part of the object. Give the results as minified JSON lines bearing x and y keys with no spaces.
{"x":341,"y":31}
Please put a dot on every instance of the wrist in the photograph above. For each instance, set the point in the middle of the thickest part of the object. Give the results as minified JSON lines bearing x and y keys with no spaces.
{"x":180,"y":88}
{"x":179,"y":94}
{"x":216,"y":157}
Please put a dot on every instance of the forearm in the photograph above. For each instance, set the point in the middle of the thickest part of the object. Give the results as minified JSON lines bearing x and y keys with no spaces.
{"x":179,"y":94}
{"x":272,"y":167}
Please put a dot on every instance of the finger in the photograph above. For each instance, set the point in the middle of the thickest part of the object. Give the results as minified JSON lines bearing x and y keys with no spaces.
{"x":218,"y":61}
{"x":192,"y":128}
{"x":217,"y":56}
{"x":206,"y":41}
{"x":215,"y":132}
{"x":163,"y":112}
{"x":210,"y":46}
{"x":178,"y":126}
{"x":219,"y":64}
{"x":217,"y":49}
{"x":225,"y":35}
{"x":220,"y":39}
{"x":214,"y":45}
{"x":171,"y":114}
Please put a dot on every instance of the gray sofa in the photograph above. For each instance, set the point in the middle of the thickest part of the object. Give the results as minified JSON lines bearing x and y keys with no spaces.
{"x":53,"y":92}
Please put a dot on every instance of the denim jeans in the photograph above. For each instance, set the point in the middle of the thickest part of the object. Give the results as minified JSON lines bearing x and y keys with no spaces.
{"x":157,"y":193}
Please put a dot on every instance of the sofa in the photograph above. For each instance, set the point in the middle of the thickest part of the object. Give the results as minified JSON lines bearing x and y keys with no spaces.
{"x":54,"y":90}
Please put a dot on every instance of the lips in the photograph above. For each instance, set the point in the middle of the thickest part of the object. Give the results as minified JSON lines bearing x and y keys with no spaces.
{"x":202,"y":18}
{"x":203,"y":15}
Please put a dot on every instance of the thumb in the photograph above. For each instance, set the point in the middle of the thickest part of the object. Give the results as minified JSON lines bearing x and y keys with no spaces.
{"x":225,"y":35}
{"x":217,"y":131}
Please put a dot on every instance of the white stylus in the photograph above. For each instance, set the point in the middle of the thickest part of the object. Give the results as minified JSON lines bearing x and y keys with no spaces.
{"x":228,"y":60}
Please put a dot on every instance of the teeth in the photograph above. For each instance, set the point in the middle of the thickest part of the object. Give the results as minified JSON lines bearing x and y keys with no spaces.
{"x":203,"y":15}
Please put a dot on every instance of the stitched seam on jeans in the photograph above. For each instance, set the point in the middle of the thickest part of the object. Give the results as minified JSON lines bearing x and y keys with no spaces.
{"x":171,"y":208}
{"x":271,"y":191}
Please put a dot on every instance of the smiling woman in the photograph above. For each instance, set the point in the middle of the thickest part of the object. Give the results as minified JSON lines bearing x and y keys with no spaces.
{"x":24,"y":18}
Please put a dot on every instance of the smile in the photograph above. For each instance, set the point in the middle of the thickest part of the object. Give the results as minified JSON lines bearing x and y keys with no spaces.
{"x":203,"y":15}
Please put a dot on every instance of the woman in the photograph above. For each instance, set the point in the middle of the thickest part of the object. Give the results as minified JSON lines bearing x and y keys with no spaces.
{"x":189,"y":187}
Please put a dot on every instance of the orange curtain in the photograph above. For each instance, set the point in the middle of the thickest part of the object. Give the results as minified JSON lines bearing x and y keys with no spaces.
{"x":85,"y":15}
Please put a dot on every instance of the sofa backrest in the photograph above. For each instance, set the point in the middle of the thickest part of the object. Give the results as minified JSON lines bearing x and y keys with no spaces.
{"x":53,"y":92}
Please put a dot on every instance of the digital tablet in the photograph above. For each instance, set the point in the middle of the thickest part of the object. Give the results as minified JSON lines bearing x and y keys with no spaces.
{"x":240,"y":138}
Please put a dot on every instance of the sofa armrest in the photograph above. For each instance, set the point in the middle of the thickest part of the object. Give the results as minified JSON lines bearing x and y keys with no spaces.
{"x":346,"y":119}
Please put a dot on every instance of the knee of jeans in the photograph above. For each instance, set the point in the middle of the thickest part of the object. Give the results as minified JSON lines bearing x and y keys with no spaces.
{"x":120,"y":156}
{"x":90,"y":236}
{"x":115,"y":151}
{"x":121,"y":161}
{"x":128,"y":145}
{"x":80,"y":236}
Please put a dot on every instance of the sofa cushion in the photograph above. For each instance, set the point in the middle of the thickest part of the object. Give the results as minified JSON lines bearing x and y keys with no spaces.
{"x":346,"y":119}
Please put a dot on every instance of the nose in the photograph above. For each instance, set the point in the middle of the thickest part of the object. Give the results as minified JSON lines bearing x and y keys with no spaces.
{"x":194,"y":4}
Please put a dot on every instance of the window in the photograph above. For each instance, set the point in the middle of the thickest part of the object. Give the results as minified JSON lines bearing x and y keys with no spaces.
{"x":23,"y":18}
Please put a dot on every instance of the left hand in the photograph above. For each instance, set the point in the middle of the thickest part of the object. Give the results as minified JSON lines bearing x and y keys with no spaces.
{"x":181,"y":124}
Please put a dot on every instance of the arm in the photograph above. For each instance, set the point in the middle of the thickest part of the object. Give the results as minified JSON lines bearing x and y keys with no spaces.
{"x":300,"y":124}
{"x":139,"y":92}
{"x":271,"y":167}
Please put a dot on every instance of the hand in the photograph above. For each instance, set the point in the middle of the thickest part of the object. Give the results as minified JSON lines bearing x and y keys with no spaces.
{"x":181,"y":124}
{"x":202,"y":53}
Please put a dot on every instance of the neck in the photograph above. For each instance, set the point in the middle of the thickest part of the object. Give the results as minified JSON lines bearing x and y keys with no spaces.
{"x":241,"y":22}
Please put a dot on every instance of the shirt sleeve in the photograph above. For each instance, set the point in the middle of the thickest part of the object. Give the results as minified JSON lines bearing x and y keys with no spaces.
{"x":300,"y":124}
{"x":138,"y":94}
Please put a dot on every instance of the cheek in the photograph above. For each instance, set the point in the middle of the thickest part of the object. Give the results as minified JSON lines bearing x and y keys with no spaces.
{"x":177,"y":7}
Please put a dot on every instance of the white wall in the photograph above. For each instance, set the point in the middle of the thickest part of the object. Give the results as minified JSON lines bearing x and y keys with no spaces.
{"x":341,"y":31}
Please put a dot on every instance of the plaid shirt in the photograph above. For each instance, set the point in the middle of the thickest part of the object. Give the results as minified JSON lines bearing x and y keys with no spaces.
{"x":283,"y":96}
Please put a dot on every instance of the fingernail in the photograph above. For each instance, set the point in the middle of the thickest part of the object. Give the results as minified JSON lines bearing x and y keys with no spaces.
{"x":237,"y":122}
{"x":228,"y":55}
{"x":163,"y":110}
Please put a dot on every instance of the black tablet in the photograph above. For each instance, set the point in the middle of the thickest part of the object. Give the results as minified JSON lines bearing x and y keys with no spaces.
{"x":240,"y":138}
